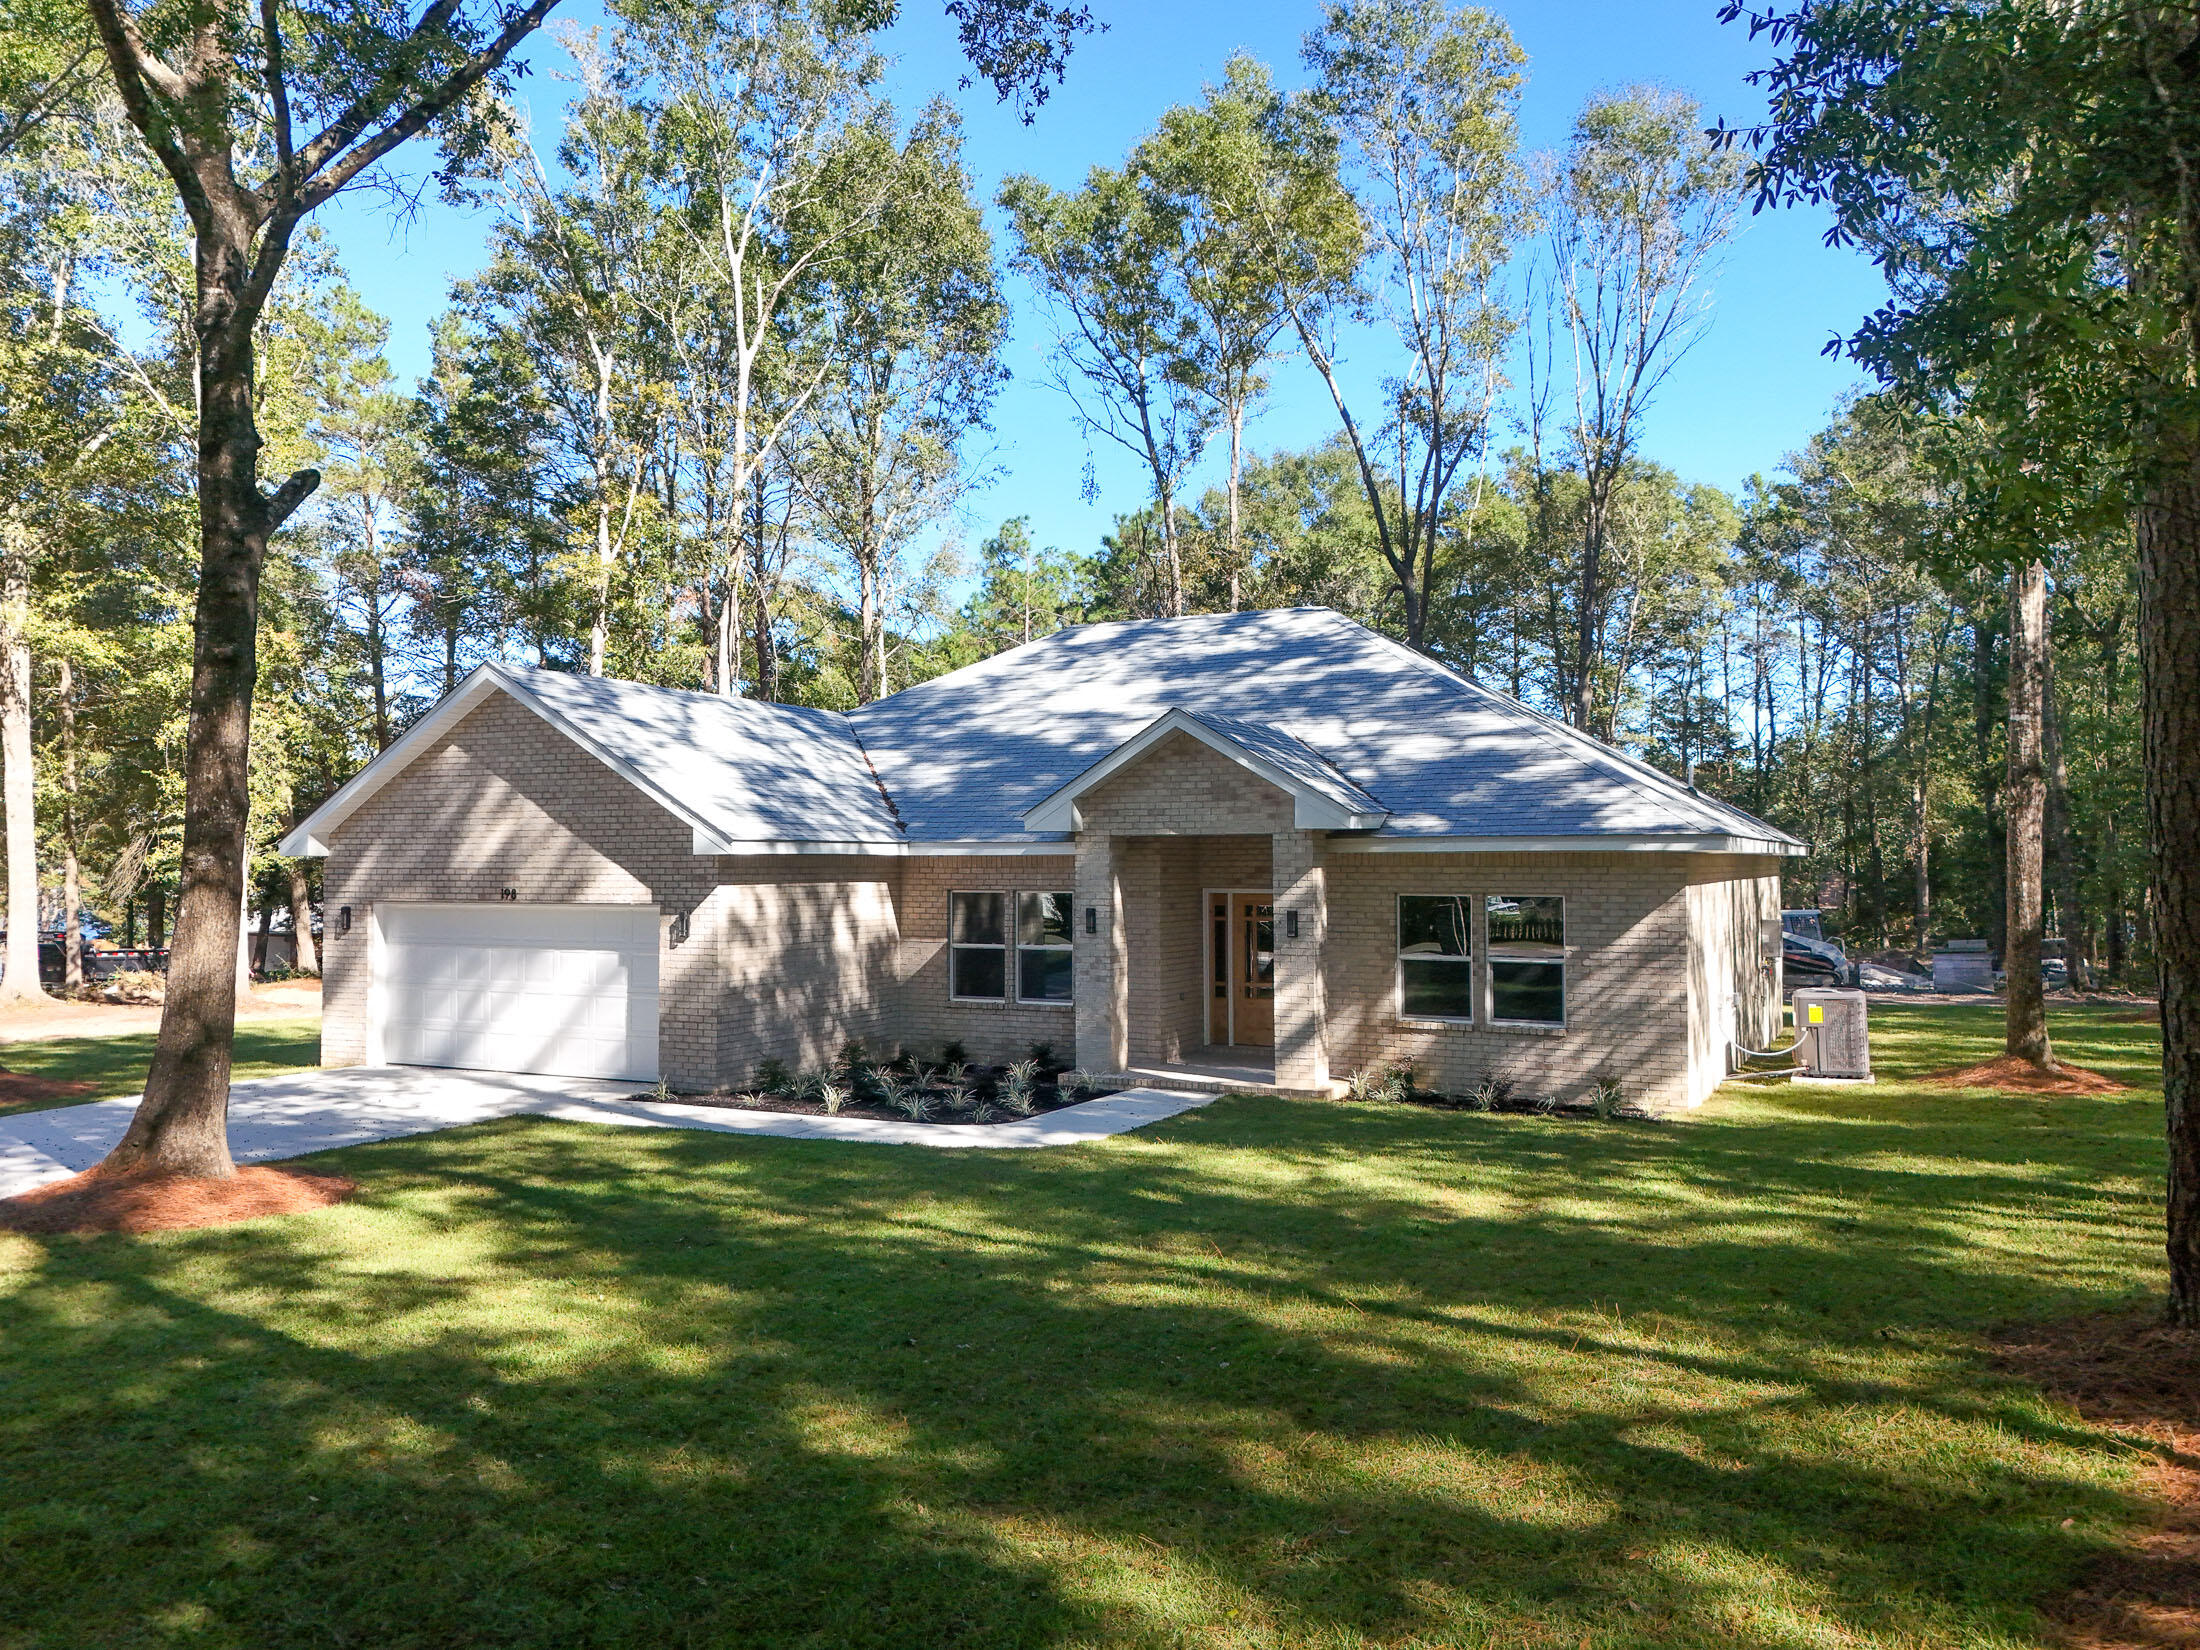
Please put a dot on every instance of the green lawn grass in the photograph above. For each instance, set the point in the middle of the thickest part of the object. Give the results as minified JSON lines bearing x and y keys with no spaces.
{"x":1273,"y":1373}
{"x":117,"y":1065}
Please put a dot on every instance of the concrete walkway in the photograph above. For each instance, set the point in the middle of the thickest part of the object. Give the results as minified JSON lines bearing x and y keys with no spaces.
{"x":278,"y":1117}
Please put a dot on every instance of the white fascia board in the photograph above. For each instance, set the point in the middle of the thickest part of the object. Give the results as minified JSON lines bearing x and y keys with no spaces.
{"x":1618,"y":842}
{"x":1311,"y":810}
{"x":708,"y":844}
{"x":310,"y":837}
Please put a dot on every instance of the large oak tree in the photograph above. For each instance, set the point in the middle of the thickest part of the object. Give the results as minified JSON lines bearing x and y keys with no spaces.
{"x":261,"y":113}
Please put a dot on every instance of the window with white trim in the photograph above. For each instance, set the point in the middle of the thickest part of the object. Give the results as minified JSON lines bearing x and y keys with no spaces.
{"x":1527,"y":945}
{"x":1435,"y":957}
{"x":1043,"y":965}
{"x":977,"y":947}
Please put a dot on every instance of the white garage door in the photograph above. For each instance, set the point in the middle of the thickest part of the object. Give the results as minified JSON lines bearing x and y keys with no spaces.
{"x":569,"y":990}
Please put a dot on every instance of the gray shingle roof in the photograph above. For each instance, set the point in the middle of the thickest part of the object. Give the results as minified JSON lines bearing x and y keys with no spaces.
{"x":1372,"y":725}
{"x":965,"y":755}
{"x":749,"y":772}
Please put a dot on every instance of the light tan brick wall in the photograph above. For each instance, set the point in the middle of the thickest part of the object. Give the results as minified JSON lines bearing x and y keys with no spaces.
{"x":807,"y":947}
{"x":925,"y":1016}
{"x":1733,"y":901}
{"x":1627,"y":995}
{"x":1183,"y":788}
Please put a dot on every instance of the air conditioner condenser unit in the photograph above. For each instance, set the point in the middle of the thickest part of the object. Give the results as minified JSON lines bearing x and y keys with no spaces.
{"x":1832,"y":1035}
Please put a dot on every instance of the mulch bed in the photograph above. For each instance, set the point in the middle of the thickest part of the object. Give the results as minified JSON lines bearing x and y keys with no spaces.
{"x":94,"y":1202}
{"x":1047,"y":1097}
{"x":2143,"y":1381}
{"x":19,"y":1089}
{"x":2015,"y":1076}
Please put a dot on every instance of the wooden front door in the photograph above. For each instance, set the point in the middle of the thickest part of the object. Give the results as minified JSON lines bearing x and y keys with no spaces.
{"x":1241,"y":968}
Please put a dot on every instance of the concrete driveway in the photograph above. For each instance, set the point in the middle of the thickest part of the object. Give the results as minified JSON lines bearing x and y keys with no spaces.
{"x":315,"y":1111}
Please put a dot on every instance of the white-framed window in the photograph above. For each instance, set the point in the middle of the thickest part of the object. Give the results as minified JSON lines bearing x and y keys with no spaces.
{"x":1435,"y":957}
{"x":1043,"y":963}
{"x":977,"y":947}
{"x":1527,"y":946}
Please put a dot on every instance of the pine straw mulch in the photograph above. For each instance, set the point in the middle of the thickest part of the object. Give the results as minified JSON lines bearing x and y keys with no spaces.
{"x":2142,"y":1380}
{"x":94,"y":1202}
{"x":2013,"y":1075}
{"x":20,"y":1090}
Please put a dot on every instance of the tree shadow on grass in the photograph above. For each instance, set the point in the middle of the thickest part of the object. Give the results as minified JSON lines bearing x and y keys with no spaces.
{"x":113,"y":1065}
{"x":1275,"y":1373}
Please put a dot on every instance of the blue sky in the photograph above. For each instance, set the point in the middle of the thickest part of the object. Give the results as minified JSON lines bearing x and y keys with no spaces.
{"x":1753,"y":390}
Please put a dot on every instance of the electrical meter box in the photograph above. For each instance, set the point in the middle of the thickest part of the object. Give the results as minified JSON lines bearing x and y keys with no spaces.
{"x":1832,"y":1038}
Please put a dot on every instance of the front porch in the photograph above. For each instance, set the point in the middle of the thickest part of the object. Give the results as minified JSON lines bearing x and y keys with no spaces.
{"x":1199,"y":960}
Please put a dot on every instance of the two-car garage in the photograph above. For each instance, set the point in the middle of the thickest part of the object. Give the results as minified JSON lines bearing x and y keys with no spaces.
{"x":565,"y":990}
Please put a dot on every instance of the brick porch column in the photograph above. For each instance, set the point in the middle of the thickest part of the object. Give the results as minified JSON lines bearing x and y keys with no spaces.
{"x":1100,"y":958}
{"x":1295,"y":873}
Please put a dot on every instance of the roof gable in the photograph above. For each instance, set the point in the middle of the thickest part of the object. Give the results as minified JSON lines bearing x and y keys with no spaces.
{"x":745,"y":776}
{"x":1322,"y":798}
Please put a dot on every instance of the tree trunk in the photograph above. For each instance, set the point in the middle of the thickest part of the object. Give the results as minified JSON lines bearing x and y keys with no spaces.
{"x":1987,"y":781}
{"x":72,"y":882}
{"x":156,"y":916}
{"x":182,"y":1125}
{"x":2169,"y":660}
{"x":266,"y":937}
{"x":371,"y":588}
{"x":19,"y":980}
{"x":2113,"y":940}
{"x":1237,"y":475}
{"x":2026,"y":1012}
{"x":301,"y":918}
{"x":2076,"y":931}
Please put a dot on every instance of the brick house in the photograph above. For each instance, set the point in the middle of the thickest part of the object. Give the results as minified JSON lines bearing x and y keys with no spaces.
{"x":1250,"y":849}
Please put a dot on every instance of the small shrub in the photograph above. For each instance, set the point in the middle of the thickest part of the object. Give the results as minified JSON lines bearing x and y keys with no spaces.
{"x":1606,"y":1098}
{"x":954,"y":1054}
{"x":912,"y":1100}
{"x":1375,"y":1083}
{"x":854,"y":1062}
{"x":773,"y":1077}
{"x":1492,"y":1093}
{"x":1042,"y":1056}
{"x":832,"y":1096}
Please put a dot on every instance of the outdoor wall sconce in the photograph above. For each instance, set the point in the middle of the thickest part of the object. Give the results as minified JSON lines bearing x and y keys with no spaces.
{"x":1290,"y":925}
{"x":343,"y":919}
{"x":680,"y":929}
{"x":1092,"y":919}
{"x":508,"y":893}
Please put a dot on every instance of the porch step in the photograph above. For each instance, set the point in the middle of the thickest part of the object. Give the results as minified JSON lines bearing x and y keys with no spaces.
{"x":1214,"y":1082}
